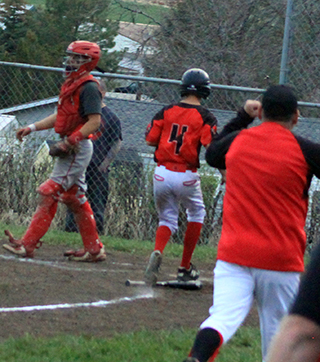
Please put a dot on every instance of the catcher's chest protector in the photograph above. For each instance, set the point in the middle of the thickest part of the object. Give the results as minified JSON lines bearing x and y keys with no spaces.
{"x":68,"y":117}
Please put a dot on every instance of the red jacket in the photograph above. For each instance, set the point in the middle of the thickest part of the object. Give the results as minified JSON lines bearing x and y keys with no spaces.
{"x":68,"y":116}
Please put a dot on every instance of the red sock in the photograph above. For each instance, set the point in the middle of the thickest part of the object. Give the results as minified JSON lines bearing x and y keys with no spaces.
{"x":190,"y":241}
{"x":162,"y":237}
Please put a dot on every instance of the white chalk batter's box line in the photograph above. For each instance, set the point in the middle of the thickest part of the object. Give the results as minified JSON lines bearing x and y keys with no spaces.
{"x":55,"y":264}
{"x":63,"y":267}
{"x":100,"y":303}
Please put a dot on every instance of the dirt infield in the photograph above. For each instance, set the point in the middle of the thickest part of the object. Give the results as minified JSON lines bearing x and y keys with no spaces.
{"x":49,"y":296}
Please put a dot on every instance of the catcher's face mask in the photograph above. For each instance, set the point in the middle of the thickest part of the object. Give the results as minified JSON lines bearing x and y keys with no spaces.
{"x":75,"y":64}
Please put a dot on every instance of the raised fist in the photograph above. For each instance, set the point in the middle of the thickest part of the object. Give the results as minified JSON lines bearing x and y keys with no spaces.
{"x":252,"y":108}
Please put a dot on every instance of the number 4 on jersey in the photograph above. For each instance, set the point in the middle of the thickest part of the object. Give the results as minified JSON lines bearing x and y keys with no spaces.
{"x":174,"y":137}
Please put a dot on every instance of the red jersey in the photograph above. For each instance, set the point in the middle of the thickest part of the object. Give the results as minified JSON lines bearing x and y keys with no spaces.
{"x":266,"y":200}
{"x":179,"y":130}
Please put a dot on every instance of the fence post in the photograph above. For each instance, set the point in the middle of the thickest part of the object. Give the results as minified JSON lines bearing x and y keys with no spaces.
{"x":285,"y":45}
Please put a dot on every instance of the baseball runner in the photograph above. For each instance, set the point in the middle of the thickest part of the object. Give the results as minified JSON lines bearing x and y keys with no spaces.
{"x":78,"y":116}
{"x":261,"y":249}
{"x":298,"y":339}
{"x":177,"y":132}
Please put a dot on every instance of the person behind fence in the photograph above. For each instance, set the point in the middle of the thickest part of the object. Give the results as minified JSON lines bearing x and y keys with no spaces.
{"x":77,"y":117}
{"x":261,"y":249}
{"x":106,"y":144}
{"x":178,"y":131}
{"x":298,"y":338}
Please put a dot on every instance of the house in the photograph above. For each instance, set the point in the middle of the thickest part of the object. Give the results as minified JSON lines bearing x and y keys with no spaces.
{"x":137,"y":40}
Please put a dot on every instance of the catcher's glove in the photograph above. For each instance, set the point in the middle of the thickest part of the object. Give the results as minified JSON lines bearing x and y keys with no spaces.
{"x":61,"y":149}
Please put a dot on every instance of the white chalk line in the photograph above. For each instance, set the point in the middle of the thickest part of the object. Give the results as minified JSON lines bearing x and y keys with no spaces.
{"x":55,"y":264}
{"x":100,"y":303}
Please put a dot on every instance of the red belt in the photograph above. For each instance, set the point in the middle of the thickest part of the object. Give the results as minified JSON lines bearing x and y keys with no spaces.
{"x":178,"y":167}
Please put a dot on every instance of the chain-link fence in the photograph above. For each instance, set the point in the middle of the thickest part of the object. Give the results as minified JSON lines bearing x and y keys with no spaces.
{"x":300,"y":64}
{"x":29,"y":93}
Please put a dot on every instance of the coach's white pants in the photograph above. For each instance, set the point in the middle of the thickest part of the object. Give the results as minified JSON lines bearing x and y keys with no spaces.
{"x":236,"y":286}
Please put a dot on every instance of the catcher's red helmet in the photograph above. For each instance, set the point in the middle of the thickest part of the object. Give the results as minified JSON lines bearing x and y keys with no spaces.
{"x":83,"y":56}
{"x":195,"y":81}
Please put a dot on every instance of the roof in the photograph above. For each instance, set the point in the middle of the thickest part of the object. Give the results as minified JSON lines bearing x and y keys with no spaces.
{"x":135,"y":116}
{"x":140,"y":33}
{"x":135,"y":40}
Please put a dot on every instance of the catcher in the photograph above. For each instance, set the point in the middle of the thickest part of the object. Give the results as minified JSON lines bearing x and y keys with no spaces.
{"x":77,"y":117}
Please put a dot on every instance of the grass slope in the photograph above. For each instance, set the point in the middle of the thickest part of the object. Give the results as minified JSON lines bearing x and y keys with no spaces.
{"x":129,"y":11}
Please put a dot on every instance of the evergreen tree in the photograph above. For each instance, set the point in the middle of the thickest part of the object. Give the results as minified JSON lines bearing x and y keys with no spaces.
{"x":42,"y":36}
{"x":14,"y":27}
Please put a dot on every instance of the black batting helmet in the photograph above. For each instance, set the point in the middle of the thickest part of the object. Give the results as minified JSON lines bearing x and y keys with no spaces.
{"x":195,"y":81}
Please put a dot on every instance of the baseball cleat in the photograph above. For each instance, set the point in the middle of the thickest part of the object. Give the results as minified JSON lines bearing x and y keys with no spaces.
{"x":85,"y":256}
{"x":12,"y":240}
{"x":16,"y":246}
{"x":152,"y":270}
{"x":18,"y":250}
{"x":184,"y":275}
{"x":191,"y":359}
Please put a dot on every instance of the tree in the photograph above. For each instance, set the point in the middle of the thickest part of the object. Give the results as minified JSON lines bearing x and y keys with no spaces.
{"x":13,"y":18}
{"x":70,"y":20}
{"x":42,"y":36}
{"x":236,"y":42}
{"x":304,"y":51}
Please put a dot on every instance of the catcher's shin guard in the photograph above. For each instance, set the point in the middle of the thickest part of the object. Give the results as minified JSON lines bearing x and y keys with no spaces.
{"x":73,"y":198}
{"x":83,"y":215}
{"x":40,"y":222}
{"x":45,"y":212}
{"x":87,"y":228}
{"x":50,"y":188}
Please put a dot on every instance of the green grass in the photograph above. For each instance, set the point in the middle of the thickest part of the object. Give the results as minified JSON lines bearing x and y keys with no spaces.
{"x":154,"y":13}
{"x":120,"y":13}
{"x":138,"y":247}
{"x":36,"y":2}
{"x":146,"y":346}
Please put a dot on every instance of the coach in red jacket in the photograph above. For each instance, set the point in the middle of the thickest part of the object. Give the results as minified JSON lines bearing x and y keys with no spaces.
{"x":262,"y":244}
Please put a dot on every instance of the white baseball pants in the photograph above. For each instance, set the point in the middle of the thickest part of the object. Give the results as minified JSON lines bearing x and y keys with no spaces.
{"x":171,"y":188}
{"x":235,"y":288}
